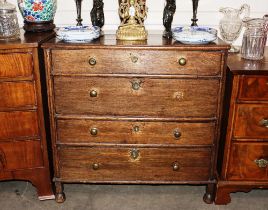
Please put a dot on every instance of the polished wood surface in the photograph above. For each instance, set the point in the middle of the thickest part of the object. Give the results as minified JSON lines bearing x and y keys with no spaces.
{"x":23,"y":146}
{"x":110,"y":98}
{"x":117,"y":164}
{"x":245,"y":143}
{"x":155,"y":97}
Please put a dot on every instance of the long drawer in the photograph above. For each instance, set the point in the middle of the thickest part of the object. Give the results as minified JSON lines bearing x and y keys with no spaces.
{"x":124,"y":132}
{"x":127,"y":164}
{"x":136,"y":96}
{"x":17,"y":155}
{"x":19,"y":124}
{"x":107,"y":61}
{"x":17,"y":94}
{"x":15,"y":65}
{"x":251,"y":122}
{"x":248,"y":161}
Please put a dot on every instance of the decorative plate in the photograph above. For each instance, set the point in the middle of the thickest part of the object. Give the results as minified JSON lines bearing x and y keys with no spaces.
{"x":78,"y":34}
{"x":194,"y":34}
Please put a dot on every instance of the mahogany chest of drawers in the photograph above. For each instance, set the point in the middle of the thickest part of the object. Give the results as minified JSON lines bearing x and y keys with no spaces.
{"x":245,"y":158}
{"x":146,"y":112}
{"x":23,"y":147}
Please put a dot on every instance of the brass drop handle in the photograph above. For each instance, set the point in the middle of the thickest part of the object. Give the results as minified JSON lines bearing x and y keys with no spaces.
{"x":134,"y":154}
{"x":182,"y":61}
{"x":94,"y":131}
{"x":177,"y":134}
{"x":95,"y":166}
{"x":261,"y":163}
{"x":134,"y":58}
{"x":264,"y":122}
{"x":175,"y":166}
{"x":93,"y":93}
{"x":92,"y":61}
{"x":136,"y":84}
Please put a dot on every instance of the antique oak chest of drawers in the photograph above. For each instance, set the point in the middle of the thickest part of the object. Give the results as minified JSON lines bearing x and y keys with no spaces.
{"x":245,"y":159}
{"x":23,"y":147}
{"x":125,"y":112}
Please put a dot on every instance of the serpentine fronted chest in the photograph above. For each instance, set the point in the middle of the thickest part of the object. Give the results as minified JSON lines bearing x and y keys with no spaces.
{"x":124,"y":112}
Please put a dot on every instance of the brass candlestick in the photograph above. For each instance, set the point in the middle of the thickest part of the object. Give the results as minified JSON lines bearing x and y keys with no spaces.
{"x":132,"y":15}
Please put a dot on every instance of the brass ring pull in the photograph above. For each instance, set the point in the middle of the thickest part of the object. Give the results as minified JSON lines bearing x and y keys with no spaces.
{"x":94,"y":131}
{"x":93,"y":93}
{"x":182,"y":61}
{"x":264,"y":122}
{"x":261,"y":163}
{"x":134,"y":154}
{"x":136,"y":84}
{"x":92,"y":61}
{"x":177,"y":134}
{"x":95,"y":166}
{"x":175,"y":166}
{"x":134,"y":58}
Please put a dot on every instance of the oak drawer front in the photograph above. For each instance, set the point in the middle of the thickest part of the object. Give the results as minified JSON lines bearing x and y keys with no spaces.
{"x":123,"y":132}
{"x":18,"y":124}
{"x":254,"y":88}
{"x":105,"y":61}
{"x":251,"y":121}
{"x":136,"y":97}
{"x":16,"y":65}
{"x":127,"y":164}
{"x":17,"y":94}
{"x":248,"y":161}
{"x":20,"y":155}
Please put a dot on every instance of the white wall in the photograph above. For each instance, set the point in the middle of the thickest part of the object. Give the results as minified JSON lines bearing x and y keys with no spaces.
{"x":207,"y":12}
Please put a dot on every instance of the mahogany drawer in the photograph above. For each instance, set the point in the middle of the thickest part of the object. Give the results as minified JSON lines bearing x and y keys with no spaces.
{"x":136,"y":96}
{"x":16,"y":65}
{"x":248,"y":161}
{"x":17,"y":94}
{"x":18,"y":124}
{"x":251,"y":122}
{"x":254,"y":88}
{"x":20,"y":155}
{"x":124,"y":132}
{"x":135,"y":61}
{"x":127,"y":164}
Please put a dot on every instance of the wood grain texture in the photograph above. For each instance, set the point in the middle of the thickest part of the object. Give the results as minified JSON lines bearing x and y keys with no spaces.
{"x":22,"y":124}
{"x":17,"y":95}
{"x":116,"y":163}
{"x":123,"y":132}
{"x":156,"y":97}
{"x":254,"y":88}
{"x":242,"y":164}
{"x":247,"y":124}
{"x":15,"y":65}
{"x":120,"y":62}
{"x":27,"y":155}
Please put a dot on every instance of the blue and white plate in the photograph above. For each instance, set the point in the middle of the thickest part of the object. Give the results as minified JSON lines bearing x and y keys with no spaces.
{"x":194,"y":34}
{"x":78,"y":34}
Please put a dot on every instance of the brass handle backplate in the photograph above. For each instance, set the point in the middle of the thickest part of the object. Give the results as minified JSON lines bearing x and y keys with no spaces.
{"x":134,"y":154}
{"x":136,"y":84}
{"x":261,"y":163}
{"x":94,"y":131}
{"x":134,"y":58}
{"x":92,"y":61}
{"x":177,"y":133}
{"x":93,"y":93}
{"x":176,"y":166}
{"x":95,"y":166}
{"x":182,"y":61}
{"x":264,"y":122}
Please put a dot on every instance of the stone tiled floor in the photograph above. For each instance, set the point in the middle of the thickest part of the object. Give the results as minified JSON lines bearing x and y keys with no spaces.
{"x":22,"y":196}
